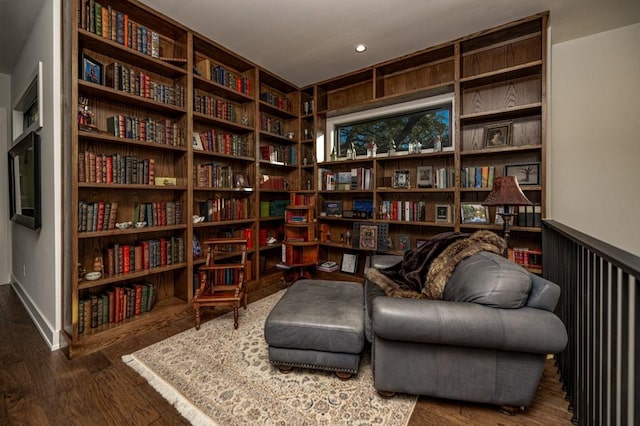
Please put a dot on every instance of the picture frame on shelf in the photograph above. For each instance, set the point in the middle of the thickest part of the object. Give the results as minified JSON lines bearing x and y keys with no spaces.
{"x":349,"y":264}
{"x":401,"y":179}
{"x":197,"y":142}
{"x":368,"y":237}
{"x":497,"y":134}
{"x":92,"y":70}
{"x":403,"y":242}
{"x":333,"y":208}
{"x":474,"y":213}
{"x":528,"y":174}
{"x":240,"y":180}
{"x":424,"y":176}
{"x":443,"y":213}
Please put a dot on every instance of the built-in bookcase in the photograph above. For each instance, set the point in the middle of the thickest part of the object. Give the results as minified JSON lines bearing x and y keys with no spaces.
{"x":497,"y":81}
{"x":174,"y":133}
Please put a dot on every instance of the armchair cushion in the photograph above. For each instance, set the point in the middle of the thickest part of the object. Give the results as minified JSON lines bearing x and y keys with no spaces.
{"x":488,"y":279}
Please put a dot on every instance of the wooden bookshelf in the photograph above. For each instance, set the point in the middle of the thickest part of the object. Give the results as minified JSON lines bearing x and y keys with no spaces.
{"x":257,"y":137}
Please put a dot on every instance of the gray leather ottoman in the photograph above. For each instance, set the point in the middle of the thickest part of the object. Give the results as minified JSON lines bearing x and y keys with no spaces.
{"x":317,"y":324}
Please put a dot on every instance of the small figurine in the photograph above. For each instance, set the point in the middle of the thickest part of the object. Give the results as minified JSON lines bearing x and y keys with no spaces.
{"x":372,"y":148}
{"x":392,"y":147}
{"x":437,"y":145}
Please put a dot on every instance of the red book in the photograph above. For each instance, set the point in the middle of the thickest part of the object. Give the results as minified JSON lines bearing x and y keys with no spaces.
{"x":100,"y":220}
{"x":146,"y":260}
{"x":248,"y":235}
{"x":163,"y":251}
{"x":138,"y":300}
{"x":126,"y":253}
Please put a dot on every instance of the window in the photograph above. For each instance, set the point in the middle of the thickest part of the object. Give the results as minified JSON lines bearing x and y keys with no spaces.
{"x":421,"y":120}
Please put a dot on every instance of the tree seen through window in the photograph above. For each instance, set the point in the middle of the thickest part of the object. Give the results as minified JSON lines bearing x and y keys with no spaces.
{"x":422,"y":125}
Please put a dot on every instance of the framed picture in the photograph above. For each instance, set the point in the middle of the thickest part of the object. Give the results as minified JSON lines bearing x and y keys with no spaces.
{"x":400,"y":179}
{"x":349,"y":263}
{"x":197,"y":142}
{"x":368,"y":237}
{"x":424,"y":176}
{"x":404,"y":242}
{"x":474,"y":213}
{"x":420,"y":243}
{"x":527,"y":174}
{"x":498,"y":134}
{"x":240,"y":180}
{"x":443,"y":213}
{"x":333,"y":208}
{"x":92,"y":70}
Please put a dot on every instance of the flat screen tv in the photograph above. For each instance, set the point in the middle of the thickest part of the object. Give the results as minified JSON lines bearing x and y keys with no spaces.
{"x":24,"y":181}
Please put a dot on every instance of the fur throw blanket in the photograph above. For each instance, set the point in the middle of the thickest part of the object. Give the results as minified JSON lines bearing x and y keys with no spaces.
{"x":424,"y":272}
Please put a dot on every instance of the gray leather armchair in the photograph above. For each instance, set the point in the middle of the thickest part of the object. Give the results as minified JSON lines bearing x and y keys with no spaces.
{"x":486,"y":341}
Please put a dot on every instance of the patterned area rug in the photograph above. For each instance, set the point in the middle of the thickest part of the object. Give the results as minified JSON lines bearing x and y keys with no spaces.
{"x":219,"y":375}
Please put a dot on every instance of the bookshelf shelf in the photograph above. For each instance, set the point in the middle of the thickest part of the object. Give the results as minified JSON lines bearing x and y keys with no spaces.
{"x":144,"y":230}
{"x":105,"y":92}
{"x":110,"y":279}
{"x":110,"y":48}
{"x":107,"y":138}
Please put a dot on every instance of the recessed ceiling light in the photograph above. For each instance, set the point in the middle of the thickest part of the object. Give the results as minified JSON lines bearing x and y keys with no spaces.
{"x":361,"y":48}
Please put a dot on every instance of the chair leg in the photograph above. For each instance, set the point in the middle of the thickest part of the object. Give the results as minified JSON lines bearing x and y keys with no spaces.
{"x":196,"y":308}
{"x":235,"y":316}
{"x":343,"y":375}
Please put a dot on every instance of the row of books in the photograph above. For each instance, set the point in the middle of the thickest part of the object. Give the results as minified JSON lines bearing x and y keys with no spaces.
{"x":273,"y":208}
{"x":214,"y":107}
{"x":477,"y":177}
{"x":97,"y":216}
{"x":277,"y":101}
{"x":298,"y":199}
{"x":223,"y":209}
{"x":527,"y":258}
{"x":221,"y":277}
{"x":404,"y":211}
{"x":143,"y":255}
{"x":127,"y":79}
{"x":158,"y":213}
{"x":163,"y":131}
{"x":115,"y":168}
{"x":444,"y":177}
{"x":273,"y":182}
{"x":116,"y":26}
{"x":272,"y":125}
{"x":224,"y":77}
{"x":115,"y":304}
{"x":358,"y":178}
{"x":244,"y":233}
{"x":213,"y":175}
{"x":213,"y":140}
{"x":279,"y":154}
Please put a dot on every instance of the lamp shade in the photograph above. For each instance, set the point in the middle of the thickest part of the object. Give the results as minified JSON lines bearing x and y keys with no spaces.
{"x":506,"y":192}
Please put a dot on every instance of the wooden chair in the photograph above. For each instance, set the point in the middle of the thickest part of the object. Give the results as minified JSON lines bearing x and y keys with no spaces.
{"x":222,"y":284}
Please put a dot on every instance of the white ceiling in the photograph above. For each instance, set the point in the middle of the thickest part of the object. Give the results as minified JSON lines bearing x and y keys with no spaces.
{"x":307,"y":41}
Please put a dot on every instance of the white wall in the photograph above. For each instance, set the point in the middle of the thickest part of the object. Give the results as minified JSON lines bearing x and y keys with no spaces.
{"x":5,"y":242}
{"x":594,"y":151}
{"x":38,"y":253}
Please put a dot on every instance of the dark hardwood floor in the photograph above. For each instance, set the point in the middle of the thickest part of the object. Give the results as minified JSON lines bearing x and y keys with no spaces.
{"x":40,"y":387}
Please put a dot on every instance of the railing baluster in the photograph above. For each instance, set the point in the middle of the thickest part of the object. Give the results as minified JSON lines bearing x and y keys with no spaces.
{"x":599,"y":368}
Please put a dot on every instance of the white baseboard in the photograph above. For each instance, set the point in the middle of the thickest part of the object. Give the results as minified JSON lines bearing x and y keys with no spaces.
{"x":50,"y":336}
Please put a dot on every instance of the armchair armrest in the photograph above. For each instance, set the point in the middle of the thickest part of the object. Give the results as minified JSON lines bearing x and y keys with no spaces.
{"x":468,"y":324}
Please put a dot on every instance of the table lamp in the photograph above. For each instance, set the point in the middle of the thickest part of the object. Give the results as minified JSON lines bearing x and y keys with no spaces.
{"x":506,"y":192}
